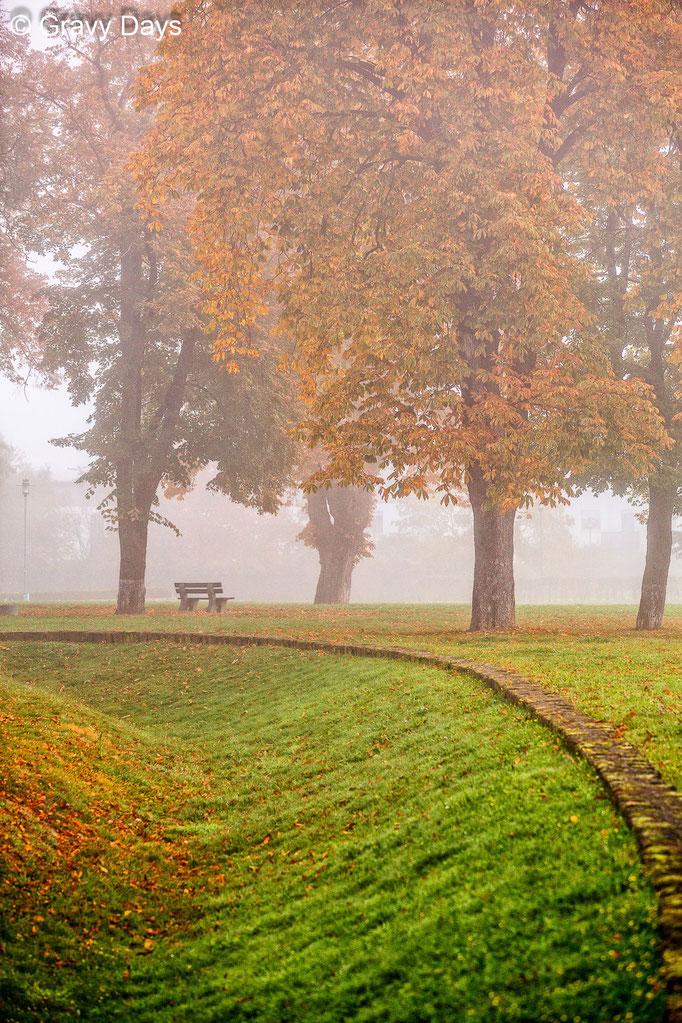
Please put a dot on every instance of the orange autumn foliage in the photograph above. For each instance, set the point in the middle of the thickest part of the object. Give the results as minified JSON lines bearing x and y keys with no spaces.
{"x":393,"y":173}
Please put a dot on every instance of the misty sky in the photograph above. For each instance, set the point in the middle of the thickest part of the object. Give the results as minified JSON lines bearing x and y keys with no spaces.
{"x":30,"y":416}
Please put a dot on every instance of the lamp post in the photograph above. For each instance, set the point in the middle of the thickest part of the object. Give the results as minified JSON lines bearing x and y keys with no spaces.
{"x":25,"y":484}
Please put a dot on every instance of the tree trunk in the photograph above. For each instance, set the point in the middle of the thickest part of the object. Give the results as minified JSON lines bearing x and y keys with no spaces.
{"x":337,"y":529}
{"x":492,"y":604}
{"x":132,"y":536}
{"x":336,"y":573}
{"x":659,"y":543}
{"x":132,"y":525}
{"x":142,"y":454}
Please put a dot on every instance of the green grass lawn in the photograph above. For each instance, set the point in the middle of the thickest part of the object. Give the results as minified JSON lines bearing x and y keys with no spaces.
{"x":232,"y":834}
{"x":592,"y":655}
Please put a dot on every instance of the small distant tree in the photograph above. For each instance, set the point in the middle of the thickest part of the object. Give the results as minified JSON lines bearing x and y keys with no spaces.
{"x":6,"y":460}
{"x":338,"y":529}
{"x":55,"y":533}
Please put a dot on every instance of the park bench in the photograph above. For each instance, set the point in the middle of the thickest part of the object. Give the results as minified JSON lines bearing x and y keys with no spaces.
{"x":191,"y":593}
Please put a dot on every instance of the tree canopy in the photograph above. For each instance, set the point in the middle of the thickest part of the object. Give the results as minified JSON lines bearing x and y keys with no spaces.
{"x":402,"y":163}
{"x":20,"y":302}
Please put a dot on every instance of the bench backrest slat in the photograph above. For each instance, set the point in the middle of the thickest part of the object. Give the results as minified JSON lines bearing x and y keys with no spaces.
{"x":198,"y":587}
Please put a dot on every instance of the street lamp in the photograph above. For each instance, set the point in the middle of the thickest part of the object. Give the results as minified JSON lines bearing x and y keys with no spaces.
{"x":25,"y":484}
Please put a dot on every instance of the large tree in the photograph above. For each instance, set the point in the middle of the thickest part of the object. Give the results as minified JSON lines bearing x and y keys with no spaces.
{"x":125,"y":324}
{"x":635,"y":244}
{"x":403,"y":162}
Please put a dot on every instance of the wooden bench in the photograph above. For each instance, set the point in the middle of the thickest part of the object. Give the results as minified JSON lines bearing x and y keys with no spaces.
{"x":191,"y":593}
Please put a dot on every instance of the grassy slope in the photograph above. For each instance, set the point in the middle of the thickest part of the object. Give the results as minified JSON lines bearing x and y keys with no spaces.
{"x":87,"y":862}
{"x":591,"y":655}
{"x":275,"y":836}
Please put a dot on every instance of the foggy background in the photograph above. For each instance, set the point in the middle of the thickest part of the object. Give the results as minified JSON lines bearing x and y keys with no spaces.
{"x":590,"y":551}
